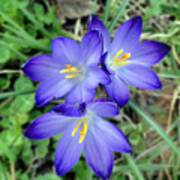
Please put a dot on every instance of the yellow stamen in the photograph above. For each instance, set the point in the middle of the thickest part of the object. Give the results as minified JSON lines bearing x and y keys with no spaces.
{"x":76,"y":127}
{"x":70,"y":69}
{"x":122,"y":63}
{"x":125,"y":56}
{"x":117,"y":54}
{"x":118,"y":62}
{"x":83,"y":131}
{"x":71,"y":76}
{"x":68,"y":66}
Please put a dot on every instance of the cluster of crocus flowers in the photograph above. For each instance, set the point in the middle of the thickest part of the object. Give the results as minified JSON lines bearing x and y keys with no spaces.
{"x":75,"y":70}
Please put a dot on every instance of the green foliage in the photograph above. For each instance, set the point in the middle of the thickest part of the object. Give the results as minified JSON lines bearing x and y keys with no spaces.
{"x":47,"y":177}
{"x":5,"y":54}
{"x":26,"y":29}
{"x":27,"y":101}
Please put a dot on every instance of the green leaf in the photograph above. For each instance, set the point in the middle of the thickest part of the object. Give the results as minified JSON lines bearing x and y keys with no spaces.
{"x":5,"y":82}
{"x":11,"y":94}
{"x":6,"y":150}
{"x":49,"y":176}
{"x":4,"y":174}
{"x":24,"y":103}
{"x":118,"y":15}
{"x":41,"y":148}
{"x":23,"y":83}
{"x":106,"y":11}
{"x":9,"y":7}
{"x":134,"y":166}
{"x":5,"y":55}
{"x":27,"y":154}
{"x":39,"y":11}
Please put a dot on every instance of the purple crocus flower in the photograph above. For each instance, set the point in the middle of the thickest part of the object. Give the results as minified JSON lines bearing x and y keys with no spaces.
{"x":72,"y":69}
{"x":128,"y":61}
{"x":84,"y":129}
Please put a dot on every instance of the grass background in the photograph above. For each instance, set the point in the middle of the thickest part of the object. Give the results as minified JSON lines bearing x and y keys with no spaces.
{"x":150,"y":120}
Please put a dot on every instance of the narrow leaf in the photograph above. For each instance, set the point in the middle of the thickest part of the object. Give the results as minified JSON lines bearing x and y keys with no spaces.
{"x":118,"y":15}
{"x":156,"y":127}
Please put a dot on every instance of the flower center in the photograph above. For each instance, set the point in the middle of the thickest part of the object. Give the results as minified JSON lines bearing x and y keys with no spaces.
{"x":72,"y":71}
{"x":84,"y":129}
{"x":119,"y":61}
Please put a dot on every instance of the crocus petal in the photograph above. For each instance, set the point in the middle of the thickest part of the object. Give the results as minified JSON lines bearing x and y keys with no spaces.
{"x":103,"y":63}
{"x":80,"y":94}
{"x":140,"y":76}
{"x":53,"y":87}
{"x":68,"y":151}
{"x":92,"y":47}
{"x":118,"y":91}
{"x":98,"y":154}
{"x":149,"y":52}
{"x":95,"y":23}
{"x":47,"y":125}
{"x":95,"y":76}
{"x":115,"y":138}
{"x":69,"y":110}
{"x":65,"y":51}
{"x":40,"y":67}
{"x":104,"y":108}
{"x":127,"y":35}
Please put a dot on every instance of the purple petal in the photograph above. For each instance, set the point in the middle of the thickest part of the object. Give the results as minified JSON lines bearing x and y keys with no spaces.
{"x":98,"y":154}
{"x":140,"y":76}
{"x":68,"y":151}
{"x":127,"y":35}
{"x":92,"y":47}
{"x":103,"y":63}
{"x":104,"y":108}
{"x":149,"y":52}
{"x":95,"y":76}
{"x":115,"y":138}
{"x":80,"y":94}
{"x":47,"y":125}
{"x":95,"y":23}
{"x":69,"y":110}
{"x":41,"y":67}
{"x":55,"y":87}
{"x":66,"y":51}
{"x":118,"y":91}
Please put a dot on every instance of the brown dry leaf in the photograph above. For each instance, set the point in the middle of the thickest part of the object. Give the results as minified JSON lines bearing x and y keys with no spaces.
{"x":74,"y":8}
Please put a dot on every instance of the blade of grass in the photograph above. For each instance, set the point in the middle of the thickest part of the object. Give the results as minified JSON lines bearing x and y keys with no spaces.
{"x":33,"y":42}
{"x":106,"y":11}
{"x":11,"y":38}
{"x":15,"y":93}
{"x":174,"y":66}
{"x":11,"y":21}
{"x":134,"y":167}
{"x":156,"y":127}
{"x":18,"y":30}
{"x":93,"y":10}
{"x":175,"y":169}
{"x":18,"y":54}
{"x":118,"y":14}
{"x":36,"y":23}
{"x":142,"y":167}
